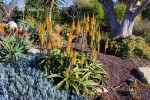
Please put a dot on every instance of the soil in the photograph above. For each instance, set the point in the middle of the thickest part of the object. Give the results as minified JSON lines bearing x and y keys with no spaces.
{"x":121,"y":71}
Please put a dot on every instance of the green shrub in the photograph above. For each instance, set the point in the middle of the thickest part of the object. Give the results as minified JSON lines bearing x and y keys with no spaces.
{"x":76,"y":77}
{"x":12,"y":48}
{"x":142,"y":29}
{"x":146,"y":13}
{"x":130,"y":46}
{"x":22,"y":80}
{"x":120,"y":9}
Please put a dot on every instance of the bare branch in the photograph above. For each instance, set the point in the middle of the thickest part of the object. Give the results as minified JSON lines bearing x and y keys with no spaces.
{"x":141,"y":7}
{"x":8,"y":8}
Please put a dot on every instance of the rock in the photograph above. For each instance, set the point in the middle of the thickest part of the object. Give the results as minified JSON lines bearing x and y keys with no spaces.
{"x":101,"y":90}
{"x":12,"y":25}
{"x":144,"y":74}
{"x":34,"y":51}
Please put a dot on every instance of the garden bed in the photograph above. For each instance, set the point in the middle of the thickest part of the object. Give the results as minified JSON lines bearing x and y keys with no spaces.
{"x":120,"y":71}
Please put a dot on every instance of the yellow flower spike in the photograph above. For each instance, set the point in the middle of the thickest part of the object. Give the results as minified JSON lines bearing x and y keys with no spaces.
{"x":93,"y":20}
{"x":2,"y":29}
{"x":50,"y":28}
{"x":71,"y":52}
{"x":87,"y":26}
{"x":106,"y":45}
{"x":68,"y":47}
{"x":84,"y":19}
{"x":32,"y":21}
{"x":49,"y":25}
{"x":99,"y":35}
{"x":42,"y":40}
{"x":82,"y":58}
{"x":94,"y":53}
{"x":47,"y":21}
{"x":92,"y":34}
{"x":73,"y":25}
{"x":88,"y":18}
{"x":70,"y":36}
{"x":74,"y":58}
{"x":41,"y":33}
{"x":78,"y":27}
{"x":67,"y":72}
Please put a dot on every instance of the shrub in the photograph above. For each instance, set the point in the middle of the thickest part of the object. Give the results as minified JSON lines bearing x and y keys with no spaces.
{"x":120,"y":9}
{"x":142,"y":29}
{"x":71,"y":74}
{"x":12,"y":48}
{"x":22,"y":80}
{"x":146,"y":13}
{"x":130,"y":46}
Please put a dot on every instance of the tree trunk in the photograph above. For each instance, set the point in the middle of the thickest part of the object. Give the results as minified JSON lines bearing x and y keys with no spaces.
{"x":126,"y":26}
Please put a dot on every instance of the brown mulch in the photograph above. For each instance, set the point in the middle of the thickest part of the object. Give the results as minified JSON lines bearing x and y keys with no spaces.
{"x":121,"y":70}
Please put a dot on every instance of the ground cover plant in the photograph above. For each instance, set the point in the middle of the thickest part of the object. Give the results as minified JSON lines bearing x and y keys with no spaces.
{"x":22,"y":80}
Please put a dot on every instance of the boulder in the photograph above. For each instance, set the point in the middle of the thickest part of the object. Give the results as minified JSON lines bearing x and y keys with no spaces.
{"x":144,"y":74}
{"x":12,"y":25}
{"x":34,"y":51}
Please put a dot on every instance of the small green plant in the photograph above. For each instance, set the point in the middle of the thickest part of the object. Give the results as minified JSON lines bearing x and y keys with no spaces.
{"x":12,"y":48}
{"x":142,"y":29}
{"x":130,"y":46}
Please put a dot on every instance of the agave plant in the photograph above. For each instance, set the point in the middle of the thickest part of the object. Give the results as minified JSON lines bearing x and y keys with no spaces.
{"x":13,"y":48}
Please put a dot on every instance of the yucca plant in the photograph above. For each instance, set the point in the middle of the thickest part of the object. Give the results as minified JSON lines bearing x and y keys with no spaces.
{"x":13,"y":48}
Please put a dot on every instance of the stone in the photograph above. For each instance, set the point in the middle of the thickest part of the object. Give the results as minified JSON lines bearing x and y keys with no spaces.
{"x":34,"y":51}
{"x":144,"y":74}
{"x":12,"y":25}
{"x":101,"y":90}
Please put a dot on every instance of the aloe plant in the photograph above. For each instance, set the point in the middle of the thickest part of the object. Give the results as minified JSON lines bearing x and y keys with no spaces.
{"x":78,"y":78}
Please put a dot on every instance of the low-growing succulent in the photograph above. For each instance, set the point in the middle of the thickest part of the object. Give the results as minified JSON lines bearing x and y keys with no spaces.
{"x":12,"y":48}
{"x":21,"y":80}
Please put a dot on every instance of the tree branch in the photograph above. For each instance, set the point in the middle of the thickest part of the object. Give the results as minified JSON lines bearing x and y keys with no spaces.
{"x":141,"y":7}
{"x":129,"y":4}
